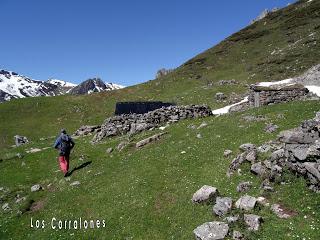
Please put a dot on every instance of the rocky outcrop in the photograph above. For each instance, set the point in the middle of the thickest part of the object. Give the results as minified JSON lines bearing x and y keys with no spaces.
{"x":135,"y":123}
{"x":296,"y":149}
{"x":163,"y":72}
{"x":87,"y":130}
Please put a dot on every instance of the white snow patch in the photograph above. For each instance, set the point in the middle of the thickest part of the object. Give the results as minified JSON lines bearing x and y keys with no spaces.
{"x":268,"y":84}
{"x":226,"y":109}
{"x":61,"y":83}
{"x":314,"y":89}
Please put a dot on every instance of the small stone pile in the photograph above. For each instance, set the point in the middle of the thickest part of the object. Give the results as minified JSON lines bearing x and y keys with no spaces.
{"x":135,"y":123}
{"x":222,"y":207}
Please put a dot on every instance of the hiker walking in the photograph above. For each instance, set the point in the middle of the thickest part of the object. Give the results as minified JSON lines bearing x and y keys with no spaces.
{"x":64,"y":144}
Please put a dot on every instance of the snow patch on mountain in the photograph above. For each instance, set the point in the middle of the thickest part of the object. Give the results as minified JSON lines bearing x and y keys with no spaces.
{"x":61,"y":83}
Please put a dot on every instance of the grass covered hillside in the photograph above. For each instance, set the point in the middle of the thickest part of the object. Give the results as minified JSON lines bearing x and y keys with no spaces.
{"x":146,"y":193}
{"x":282,"y":45}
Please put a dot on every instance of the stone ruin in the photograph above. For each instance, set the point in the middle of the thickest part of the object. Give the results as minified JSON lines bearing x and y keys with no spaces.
{"x":135,"y":123}
{"x":267,"y":95}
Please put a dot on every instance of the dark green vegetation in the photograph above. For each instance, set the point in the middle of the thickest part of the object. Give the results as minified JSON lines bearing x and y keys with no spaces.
{"x":145,"y":194}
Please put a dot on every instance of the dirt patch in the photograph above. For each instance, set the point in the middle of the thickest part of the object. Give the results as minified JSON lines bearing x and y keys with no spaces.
{"x":163,"y":201}
{"x":37,"y":205}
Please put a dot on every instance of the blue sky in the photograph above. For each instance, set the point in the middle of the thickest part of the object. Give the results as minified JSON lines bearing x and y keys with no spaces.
{"x":121,"y":41}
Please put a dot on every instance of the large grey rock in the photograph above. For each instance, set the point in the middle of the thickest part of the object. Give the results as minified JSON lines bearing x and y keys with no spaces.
{"x":36,"y":188}
{"x":223,"y":206}
{"x":205,"y":194}
{"x":20,"y":140}
{"x":149,"y":140}
{"x":211,"y":231}
{"x":231,"y":219}
{"x":298,"y":137}
{"x":244,"y":186}
{"x":313,"y":168}
{"x":258,"y":168}
{"x":246,"y":203}
{"x":253,"y":221}
{"x":299,"y":151}
{"x":247,"y":147}
{"x":278,"y":154}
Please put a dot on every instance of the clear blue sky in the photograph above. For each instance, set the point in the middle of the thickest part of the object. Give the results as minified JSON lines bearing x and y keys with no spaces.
{"x":121,"y":41}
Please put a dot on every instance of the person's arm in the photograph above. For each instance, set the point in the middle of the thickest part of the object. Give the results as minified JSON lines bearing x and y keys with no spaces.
{"x":57,"y":143}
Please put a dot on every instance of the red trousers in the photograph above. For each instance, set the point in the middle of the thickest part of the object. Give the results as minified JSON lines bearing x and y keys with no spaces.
{"x":64,"y":163}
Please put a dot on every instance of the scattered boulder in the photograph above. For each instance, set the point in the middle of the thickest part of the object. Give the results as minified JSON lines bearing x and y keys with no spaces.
{"x":246,"y":203}
{"x":297,"y":136}
{"x":87,"y":130}
{"x":253,"y":221}
{"x":266,"y":185}
{"x":227,"y":153}
{"x":149,"y":140}
{"x":223,"y":206}
{"x":205,"y":194}
{"x":20,"y":140}
{"x":244,"y":186}
{"x":227,"y":82}
{"x":211,"y":231}
{"x":270,"y":128}
{"x":235,"y":164}
{"x":36,"y":188}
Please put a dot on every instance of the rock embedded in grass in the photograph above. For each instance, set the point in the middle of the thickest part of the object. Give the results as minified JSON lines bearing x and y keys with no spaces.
{"x":36,"y":188}
{"x":109,"y":150}
{"x":236,"y":235}
{"x":246,"y":203}
{"x":75,"y":183}
{"x":280,"y":211}
{"x":253,"y":221}
{"x":227,"y":153}
{"x":6,"y":208}
{"x":270,"y":128}
{"x":205,"y":194}
{"x":211,"y":231}
{"x":223,"y":206}
{"x":149,"y":140}
{"x":244,"y":186}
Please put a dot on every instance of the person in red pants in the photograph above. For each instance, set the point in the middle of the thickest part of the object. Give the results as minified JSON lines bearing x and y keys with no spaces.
{"x":64,"y":143}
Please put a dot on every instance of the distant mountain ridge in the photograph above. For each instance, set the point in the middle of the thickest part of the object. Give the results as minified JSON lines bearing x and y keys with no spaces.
{"x":14,"y":85}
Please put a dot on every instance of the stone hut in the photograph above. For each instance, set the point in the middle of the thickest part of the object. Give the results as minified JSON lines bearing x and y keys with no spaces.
{"x":266,"y":95}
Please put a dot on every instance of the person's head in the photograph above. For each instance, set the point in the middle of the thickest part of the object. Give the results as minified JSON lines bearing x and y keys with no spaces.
{"x":63,"y":131}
